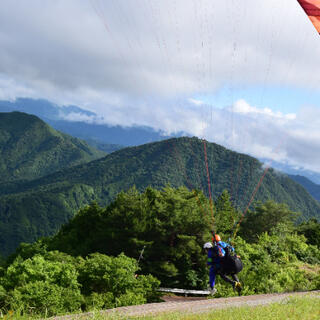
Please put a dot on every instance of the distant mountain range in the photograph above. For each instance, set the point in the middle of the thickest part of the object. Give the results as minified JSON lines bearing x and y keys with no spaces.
{"x":42,"y":108}
{"x":46,"y":176}
{"x":106,"y":137}
{"x":29,"y":210}
{"x":98,"y":135}
{"x":30,"y":148}
{"x":312,"y":188}
{"x":310,"y":180}
{"x":291,"y":170}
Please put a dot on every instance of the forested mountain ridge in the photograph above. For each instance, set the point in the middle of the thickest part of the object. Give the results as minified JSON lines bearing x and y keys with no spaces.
{"x":311,"y":187}
{"x":30,"y":148}
{"x":39,"y":207}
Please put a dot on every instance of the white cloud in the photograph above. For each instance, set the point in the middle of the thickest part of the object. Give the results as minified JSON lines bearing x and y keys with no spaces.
{"x":196,"y":101}
{"x":241,"y":106}
{"x":79,"y":117}
{"x":159,"y":48}
{"x":10,"y":89}
{"x":139,"y":62}
{"x":289,"y":139}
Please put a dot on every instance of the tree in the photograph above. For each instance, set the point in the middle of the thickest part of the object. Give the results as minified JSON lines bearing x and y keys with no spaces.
{"x":43,"y":284}
{"x":265,"y":217}
{"x":111,"y":281}
{"x":171,"y":224}
{"x":226,"y":215}
{"x":311,"y":230}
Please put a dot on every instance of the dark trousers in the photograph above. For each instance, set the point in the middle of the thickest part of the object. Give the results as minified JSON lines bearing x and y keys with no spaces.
{"x":216,"y":269}
{"x":227,"y":279}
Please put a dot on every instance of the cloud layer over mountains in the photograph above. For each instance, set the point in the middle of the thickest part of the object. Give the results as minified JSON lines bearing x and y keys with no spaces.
{"x":150,"y":62}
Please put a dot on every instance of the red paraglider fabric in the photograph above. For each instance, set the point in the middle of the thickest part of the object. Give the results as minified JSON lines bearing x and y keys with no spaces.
{"x":312,"y":9}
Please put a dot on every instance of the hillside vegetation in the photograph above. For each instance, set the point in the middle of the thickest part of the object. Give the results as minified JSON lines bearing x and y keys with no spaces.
{"x":312,"y":188}
{"x":38,"y":208}
{"x":119,"y":255}
{"x":29,"y":148}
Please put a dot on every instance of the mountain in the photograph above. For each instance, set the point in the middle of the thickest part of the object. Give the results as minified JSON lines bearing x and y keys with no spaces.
{"x":312,"y":188}
{"x":42,"y":108}
{"x":293,"y":170}
{"x":80,"y":123}
{"x":105,"y":147}
{"x":29,"y":148}
{"x":29,"y":210}
{"x":102,"y":133}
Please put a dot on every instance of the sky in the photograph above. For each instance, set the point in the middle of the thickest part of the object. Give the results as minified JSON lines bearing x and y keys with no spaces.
{"x":241,"y":73}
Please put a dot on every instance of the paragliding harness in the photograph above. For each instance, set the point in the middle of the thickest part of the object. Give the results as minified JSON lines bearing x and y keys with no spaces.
{"x":231,"y":263}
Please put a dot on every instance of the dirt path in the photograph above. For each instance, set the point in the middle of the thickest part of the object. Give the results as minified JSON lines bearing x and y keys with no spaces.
{"x":198,"y":305}
{"x":193,"y":305}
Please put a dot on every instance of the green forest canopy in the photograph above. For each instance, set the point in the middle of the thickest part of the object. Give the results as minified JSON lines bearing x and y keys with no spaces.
{"x":29,"y":210}
{"x":92,"y":261}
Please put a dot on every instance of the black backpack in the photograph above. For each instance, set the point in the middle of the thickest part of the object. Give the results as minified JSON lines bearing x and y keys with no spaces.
{"x":231,"y":264}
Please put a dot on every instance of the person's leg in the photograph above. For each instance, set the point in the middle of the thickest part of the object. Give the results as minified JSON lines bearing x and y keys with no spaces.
{"x":212,"y":277}
{"x":226,"y":278}
{"x":212,"y":280}
{"x":235,"y":277}
{"x":237,"y":285}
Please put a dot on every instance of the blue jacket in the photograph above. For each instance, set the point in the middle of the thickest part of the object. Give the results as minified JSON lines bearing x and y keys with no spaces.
{"x":217,"y":252}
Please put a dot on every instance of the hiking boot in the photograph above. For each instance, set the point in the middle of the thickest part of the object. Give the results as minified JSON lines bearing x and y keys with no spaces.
{"x":237,"y":287}
{"x":213,"y":291}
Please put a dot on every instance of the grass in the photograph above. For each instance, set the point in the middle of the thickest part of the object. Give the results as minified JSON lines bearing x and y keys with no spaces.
{"x":306,"y":308}
{"x":294,"y":308}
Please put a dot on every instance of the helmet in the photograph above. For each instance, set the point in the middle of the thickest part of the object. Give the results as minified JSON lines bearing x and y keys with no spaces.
{"x":216,"y":238}
{"x":207,"y":245}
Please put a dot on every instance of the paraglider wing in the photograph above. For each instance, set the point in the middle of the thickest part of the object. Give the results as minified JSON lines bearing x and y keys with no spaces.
{"x":312,"y":9}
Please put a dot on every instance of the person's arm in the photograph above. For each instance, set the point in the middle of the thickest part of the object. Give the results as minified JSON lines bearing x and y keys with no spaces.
{"x":233,"y":251}
{"x":221,"y":252}
{"x":229,"y":246}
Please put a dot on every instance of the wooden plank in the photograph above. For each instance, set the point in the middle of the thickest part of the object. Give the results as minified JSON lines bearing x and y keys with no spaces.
{"x":184,"y":291}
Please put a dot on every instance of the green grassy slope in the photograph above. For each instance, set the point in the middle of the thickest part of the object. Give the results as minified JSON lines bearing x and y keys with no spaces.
{"x":37,"y":208}
{"x":29,"y":148}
